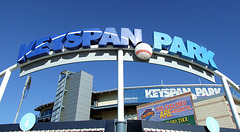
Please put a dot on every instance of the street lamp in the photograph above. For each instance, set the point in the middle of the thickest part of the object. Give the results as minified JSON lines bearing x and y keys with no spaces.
{"x":24,"y":94}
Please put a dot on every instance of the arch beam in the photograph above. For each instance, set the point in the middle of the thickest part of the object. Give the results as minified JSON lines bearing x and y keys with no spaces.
{"x":231,"y":102}
{"x":110,"y":54}
{"x":6,"y":73}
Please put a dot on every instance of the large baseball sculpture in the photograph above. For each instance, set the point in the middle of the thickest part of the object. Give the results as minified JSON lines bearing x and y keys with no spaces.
{"x":143,"y":51}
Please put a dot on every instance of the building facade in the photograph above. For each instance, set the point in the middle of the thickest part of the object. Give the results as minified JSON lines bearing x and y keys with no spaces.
{"x":215,"y":106}
{"x":208,"y":100}
{"x":73,"y":97}
{"x":75,"y":100}
{"x":45,"y":112}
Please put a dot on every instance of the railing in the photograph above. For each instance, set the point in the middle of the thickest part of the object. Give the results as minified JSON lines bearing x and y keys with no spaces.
{"x":105,"y":103}
{"x":39,"y":116}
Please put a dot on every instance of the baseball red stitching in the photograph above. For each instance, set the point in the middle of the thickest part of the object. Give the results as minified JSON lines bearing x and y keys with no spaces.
{"x":142,"y":50}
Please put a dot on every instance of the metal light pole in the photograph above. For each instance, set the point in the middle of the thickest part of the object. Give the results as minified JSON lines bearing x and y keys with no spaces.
{"x":26,"y":87}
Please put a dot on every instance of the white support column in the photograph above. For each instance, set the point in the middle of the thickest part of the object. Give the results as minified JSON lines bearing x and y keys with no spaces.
{"x":121,"y":124}
{"x":231,"y":102}
{"x":120,"y":86}
{"x":4,"y":83}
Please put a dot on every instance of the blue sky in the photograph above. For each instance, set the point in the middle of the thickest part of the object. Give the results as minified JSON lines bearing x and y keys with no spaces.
{"x":211,"y":24}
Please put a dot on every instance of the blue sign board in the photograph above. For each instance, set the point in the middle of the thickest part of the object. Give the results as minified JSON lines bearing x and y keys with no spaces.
{"x":144,"y":95}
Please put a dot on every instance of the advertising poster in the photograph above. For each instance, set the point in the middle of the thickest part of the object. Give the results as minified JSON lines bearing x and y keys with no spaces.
{"x":177,"y":109}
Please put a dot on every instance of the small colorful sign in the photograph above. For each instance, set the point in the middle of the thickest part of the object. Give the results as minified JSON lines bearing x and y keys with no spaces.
{"x":27,"y":122}
{"x":178,"y":109}
{"x":183,"y":120}
{"x":148,"y":114}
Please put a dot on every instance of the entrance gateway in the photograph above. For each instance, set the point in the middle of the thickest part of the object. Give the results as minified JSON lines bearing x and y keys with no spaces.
{"x":93,"y":44}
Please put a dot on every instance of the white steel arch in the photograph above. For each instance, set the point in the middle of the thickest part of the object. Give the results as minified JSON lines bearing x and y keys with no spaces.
{"x":99,"y":54}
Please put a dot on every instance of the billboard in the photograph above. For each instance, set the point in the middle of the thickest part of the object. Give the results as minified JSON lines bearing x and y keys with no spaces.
{"x":177,"y":109}
{"x":150,"y":94}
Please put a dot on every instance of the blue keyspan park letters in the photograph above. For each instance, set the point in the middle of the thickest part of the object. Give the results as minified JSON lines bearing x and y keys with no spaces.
{"x":77,"y":39}
{"x":190,"y":50}
{"x":110,"y":36}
